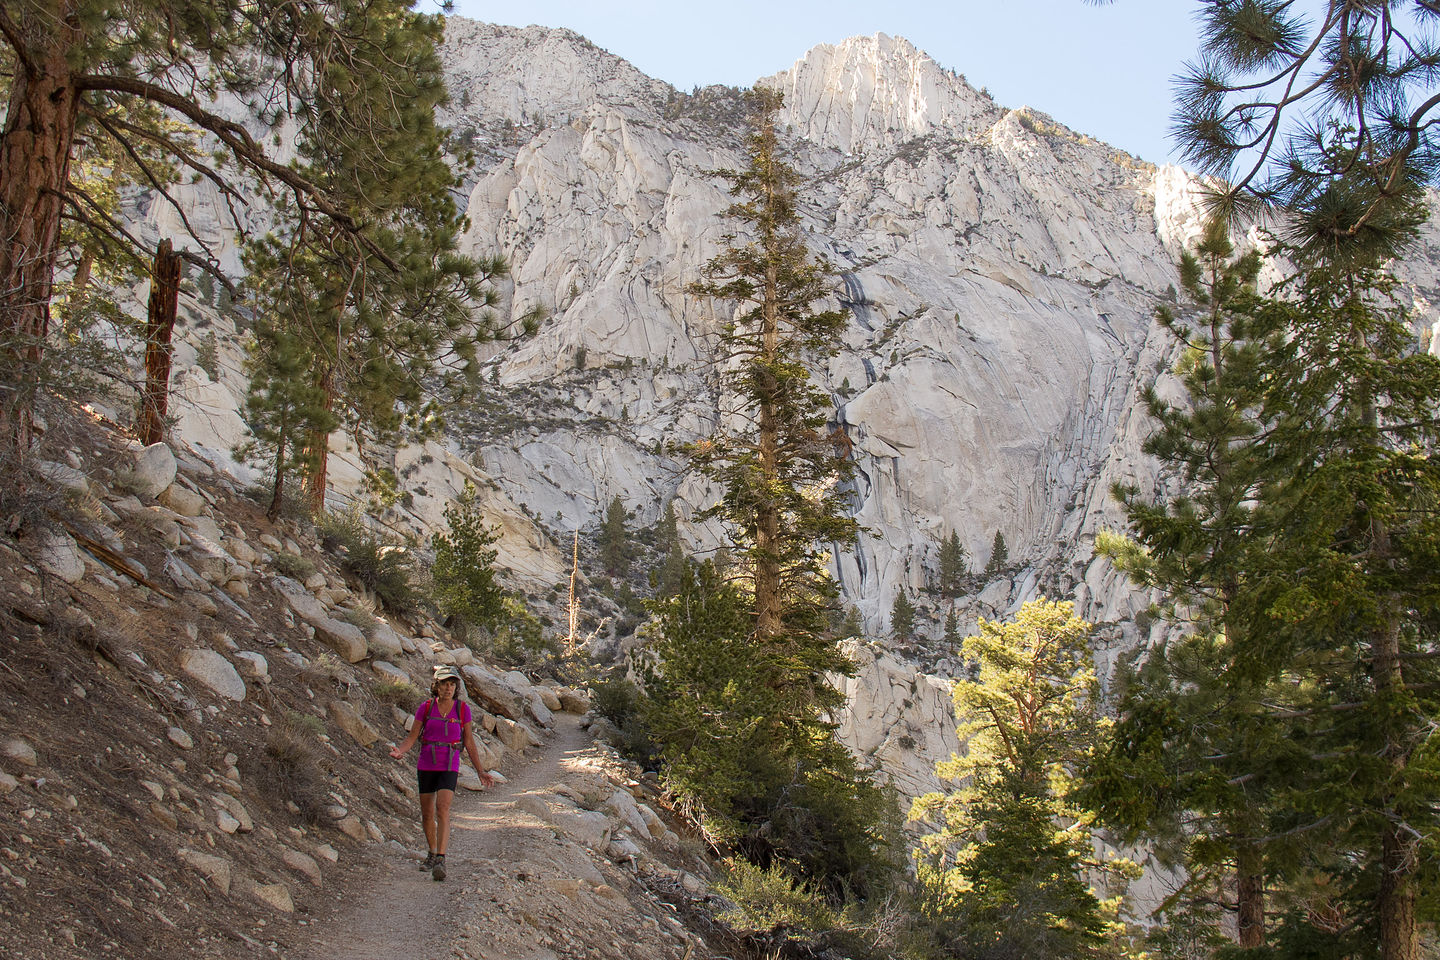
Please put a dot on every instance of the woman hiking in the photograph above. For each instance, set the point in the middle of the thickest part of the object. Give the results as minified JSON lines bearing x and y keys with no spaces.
{"x":442,"y":725}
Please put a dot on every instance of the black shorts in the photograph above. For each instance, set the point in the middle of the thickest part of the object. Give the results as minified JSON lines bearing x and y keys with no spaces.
{"x":433,"y":780}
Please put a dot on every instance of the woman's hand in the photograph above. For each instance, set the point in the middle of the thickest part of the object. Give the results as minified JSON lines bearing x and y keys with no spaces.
{"x":397,"y":752}
{"x":486,"y":780}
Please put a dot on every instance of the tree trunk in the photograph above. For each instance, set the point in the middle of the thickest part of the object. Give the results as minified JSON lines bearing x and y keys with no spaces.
{"x":34,"y":171}
{"x":277,"y":490}
{"x":317,"y":452}
{"x":1250,"y":896}
{"x":159,"y":325}
{"x":1399,"y":937}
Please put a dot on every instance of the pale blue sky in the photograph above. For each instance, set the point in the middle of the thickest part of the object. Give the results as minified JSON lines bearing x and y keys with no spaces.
{"x":1104,"y":71}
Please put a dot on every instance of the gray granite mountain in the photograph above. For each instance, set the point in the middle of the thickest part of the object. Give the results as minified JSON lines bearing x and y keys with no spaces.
{"x":1001,"y":272}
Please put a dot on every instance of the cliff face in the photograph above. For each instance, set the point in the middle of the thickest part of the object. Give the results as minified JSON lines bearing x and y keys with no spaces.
{"x":1001,"y":271}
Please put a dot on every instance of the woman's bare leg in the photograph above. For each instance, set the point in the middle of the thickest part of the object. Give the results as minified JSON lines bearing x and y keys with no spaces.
{"x":427,"y":819}
{"x":443,"y":799}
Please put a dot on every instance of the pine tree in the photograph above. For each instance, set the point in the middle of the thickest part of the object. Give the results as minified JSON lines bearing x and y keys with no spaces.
{"x":953,"y":639}
{"x":999,"y":557}
{"x":393,"y":321}
{"x":614,"y":539}
{"x":673,"y":569}
{"x":465,"y":587}
{"x":93,"y":80}
{"x":282,"y":407}
{"x":1323,"y":121}
{"x":902,"y":617}
{"x":805,"y":803}
{"x":1298,"y":712}
{"x":953,"y":566}
{"x":1187,"y":715}
{"x":1005,"y":871}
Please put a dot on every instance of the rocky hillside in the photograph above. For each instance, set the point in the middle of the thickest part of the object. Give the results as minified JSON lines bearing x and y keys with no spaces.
{"x":1001,"y":271}
{"x":196,"y":708}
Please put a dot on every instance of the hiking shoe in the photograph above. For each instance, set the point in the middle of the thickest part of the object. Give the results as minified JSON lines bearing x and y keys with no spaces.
{"x":428,"y":862}
{"x":437,"y":868}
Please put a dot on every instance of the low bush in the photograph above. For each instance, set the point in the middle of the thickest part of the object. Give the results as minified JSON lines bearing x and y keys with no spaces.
{"x":382,"y":563}
{"x":295,"y":771}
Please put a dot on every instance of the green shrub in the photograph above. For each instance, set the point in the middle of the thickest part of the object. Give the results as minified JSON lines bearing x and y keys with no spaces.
{"x":381,"y":562}
{"x":771,"y":900}
{"x":463,"y":574}
{"x":399,"y":693}
{"x":619,"y":700}
{"x":292,"y":565}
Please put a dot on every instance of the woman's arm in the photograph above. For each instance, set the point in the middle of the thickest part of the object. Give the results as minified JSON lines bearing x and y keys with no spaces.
{"x":404,"y":747}
{"x":474,"y":751}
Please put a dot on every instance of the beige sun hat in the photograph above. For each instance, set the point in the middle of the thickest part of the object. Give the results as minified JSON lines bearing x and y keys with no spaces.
{"x":445,"y":672}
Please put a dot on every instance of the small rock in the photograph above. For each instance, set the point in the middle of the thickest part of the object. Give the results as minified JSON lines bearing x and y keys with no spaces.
{"x":316,"y":581}
{"x":66,"y":477}
{"x":270,"y":542}
{"x":164,"y":816}
{"x":388,"y":671}
{"x":225,"y":822}
{"x":8,"y":784}
{"x":572,"y":702}
{"x":153,"y":471}
{"x":384,"y":641}
{"x":550,"y":698}
{"x":347,"y":718}
{"x":352,"y":827}
{"x":242,"y":551}
{"x":185,"y":502}
{"x":180,"y":738}
{"x":303,"y":864}
{"x":19,"y":751}
{"x":252,"y":664}
{"x":345,"y":639}
{"x":156,"y":790}
{"x":200,"y":603}
{"x":276,"y":895}
{"x":236,"y":809}
{"x":213,"y":868}
{"x":328,"y":852}
{"x":58,"y":555}
{"x":213,"y":670}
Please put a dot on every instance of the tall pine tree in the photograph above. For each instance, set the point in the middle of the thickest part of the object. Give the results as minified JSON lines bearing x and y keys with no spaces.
{"x":806,"y":803}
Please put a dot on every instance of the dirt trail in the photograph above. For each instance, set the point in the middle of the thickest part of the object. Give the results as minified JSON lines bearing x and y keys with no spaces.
{"x":403,"y":913}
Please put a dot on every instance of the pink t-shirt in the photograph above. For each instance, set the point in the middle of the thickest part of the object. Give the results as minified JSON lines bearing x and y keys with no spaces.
{"x":442,"y":738}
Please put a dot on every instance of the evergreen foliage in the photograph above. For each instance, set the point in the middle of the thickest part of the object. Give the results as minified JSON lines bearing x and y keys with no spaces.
{"x":954,"y":566}
{"x":741,"y":699}
{"x":1290,"y":734}
{"x":1186,"y":705}
{"x":902,"y":617}
{"x":1326,"y":121}
{"x":667,"y":580}
{"x":1005,"y":870}
{"x":103,"y":97}
{"x":283,"y":407}
{"x":390,"y":319}
{"x":381,"y":562}
{"x":615,"y":539}
{"x":463,"y":574}
{"x":953,"y":640}
{"x":999,"y":557}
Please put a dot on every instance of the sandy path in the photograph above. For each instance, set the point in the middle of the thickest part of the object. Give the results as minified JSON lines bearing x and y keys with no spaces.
{"x":403,"y":913}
